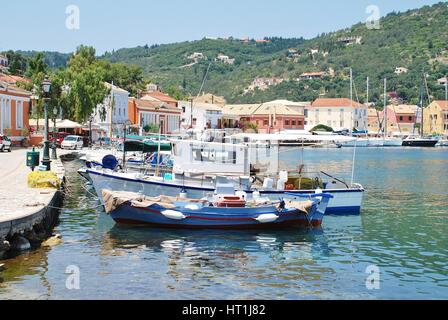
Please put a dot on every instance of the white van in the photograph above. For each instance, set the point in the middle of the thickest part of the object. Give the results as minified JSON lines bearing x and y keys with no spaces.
{"x":72,"y":142}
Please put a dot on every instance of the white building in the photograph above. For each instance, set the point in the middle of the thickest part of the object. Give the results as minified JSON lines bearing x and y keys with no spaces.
{"x":337,"y":113}
{"x":200,"y":115}
{"x":401,"y":70}
{"x":113,"y":110}
{"x":225,"y":59}
{"x":4,"y":64}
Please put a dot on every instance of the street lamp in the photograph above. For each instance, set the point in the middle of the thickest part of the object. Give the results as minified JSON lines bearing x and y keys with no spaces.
{"x":54,"y":146}
{"x":46,"y":86}
{"x":90,"y":131}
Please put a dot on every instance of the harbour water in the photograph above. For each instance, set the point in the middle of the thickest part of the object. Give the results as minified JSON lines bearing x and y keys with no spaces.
{"x":402,"y":232}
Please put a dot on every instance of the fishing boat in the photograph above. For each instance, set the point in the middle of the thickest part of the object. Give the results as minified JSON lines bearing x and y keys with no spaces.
{"x":199,"y":166}
{"x":222,"y":211}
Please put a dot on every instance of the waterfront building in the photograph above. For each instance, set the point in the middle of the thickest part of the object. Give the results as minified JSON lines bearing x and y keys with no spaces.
{"x":11,"y":79}
{"x":401,"y":118}
{"x":197,"y":115}
{"x":144,"y":113}
{"x":112,"y":112}
{"x":14,"y":112}
{"x":374,"y":117}
{"x":211,"y":99}
{"x":337,"y":113}
{"x":435,"y":118}
{"x":271,"y":117}
{"x":158,"y":96}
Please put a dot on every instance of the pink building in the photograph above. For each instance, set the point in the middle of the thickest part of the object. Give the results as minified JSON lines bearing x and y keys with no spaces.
{"x":401,"y":118}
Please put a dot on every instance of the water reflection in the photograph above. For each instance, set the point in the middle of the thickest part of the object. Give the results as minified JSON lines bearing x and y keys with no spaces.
{"x":402,"y":229}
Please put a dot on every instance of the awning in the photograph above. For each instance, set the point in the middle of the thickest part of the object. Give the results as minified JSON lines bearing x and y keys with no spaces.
{"x":146,"y":146}
{"x":60,"y":124}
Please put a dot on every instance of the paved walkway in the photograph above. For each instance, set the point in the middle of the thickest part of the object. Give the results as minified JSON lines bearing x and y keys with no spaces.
{"x":16,"y":199}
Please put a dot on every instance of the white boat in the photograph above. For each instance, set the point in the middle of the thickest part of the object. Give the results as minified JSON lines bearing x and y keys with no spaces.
{"x":199,"y":165}
{"x":392,"y":142}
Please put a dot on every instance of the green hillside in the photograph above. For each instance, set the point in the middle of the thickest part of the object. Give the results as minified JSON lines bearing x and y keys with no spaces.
{"x":416,"y":40}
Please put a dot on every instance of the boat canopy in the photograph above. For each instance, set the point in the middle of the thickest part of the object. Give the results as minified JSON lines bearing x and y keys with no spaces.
{"x":146,"y":146}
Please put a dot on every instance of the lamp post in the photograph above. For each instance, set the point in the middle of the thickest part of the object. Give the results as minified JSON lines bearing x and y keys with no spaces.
{"x":90,"y":131}
{"x":46,"y":86}
{"x":54,"y":146}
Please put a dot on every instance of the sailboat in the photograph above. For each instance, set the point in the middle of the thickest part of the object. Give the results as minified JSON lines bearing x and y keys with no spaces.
{"x":421,"y":141}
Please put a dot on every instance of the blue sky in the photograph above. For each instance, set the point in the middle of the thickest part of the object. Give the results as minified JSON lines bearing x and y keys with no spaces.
{"x":111,"y":24}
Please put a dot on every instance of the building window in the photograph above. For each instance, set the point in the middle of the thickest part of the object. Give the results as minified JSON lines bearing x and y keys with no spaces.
{"x":6,"y":114}
{"x":286,"y":122}
{"x":19,"y":115}
{"x":411,"y":118}
{"x":293,"y":123}
{"x":401,"y":118}
{"x":299,"y":123}
{"x":265,"y":123}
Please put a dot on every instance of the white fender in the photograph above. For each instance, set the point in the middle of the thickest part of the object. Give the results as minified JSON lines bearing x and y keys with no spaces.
{"x":267,"y":218}
{"x":175,"y":215}
{"x":192,"y":207}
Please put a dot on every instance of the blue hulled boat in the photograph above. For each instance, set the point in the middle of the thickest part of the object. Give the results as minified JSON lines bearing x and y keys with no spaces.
{"x":224,"y":212}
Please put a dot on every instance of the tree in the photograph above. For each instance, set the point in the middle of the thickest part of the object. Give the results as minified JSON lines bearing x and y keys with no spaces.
{"x":87,"y":89}
{"x":322,"y":127}
{"x":36,"y":66}
{"x":17,"y":63}
{"x":151,"y":128}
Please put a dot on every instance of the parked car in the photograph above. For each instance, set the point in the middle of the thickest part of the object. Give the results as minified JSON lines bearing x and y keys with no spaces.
{"x":72,"y":142}
{"x":60,"y":137}
{"x":5,"y":143}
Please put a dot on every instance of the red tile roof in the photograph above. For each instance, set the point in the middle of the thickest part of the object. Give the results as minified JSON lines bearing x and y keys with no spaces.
{"x":443,"y":104}
{"x":151,"y":105}
{"x":160,"y":96}
{"x":334,"y":102}
{"x":12,"y":79}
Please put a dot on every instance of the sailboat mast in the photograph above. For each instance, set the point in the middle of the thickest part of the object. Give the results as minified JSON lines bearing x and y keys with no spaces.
{"x":446,"y":88}
{"x":351,"y":100}
{"x":385,"y":107}
{"x":422,"y":131}
{"x":367,"y":98}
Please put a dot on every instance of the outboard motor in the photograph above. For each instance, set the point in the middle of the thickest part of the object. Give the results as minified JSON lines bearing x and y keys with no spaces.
{"x":110,"y":162}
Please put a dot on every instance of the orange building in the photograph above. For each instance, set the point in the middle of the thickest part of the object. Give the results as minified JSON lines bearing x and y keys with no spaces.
{"x":144,"y":112}
{"x":14,"y":112}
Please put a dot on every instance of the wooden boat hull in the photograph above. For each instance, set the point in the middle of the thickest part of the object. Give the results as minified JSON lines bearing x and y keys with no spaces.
{"x":212,"y":218}
{"x":345,"y":201}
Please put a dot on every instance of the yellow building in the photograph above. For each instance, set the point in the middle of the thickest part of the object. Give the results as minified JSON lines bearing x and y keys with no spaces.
{"x":435,"y":119}
{"x":373,"y":121}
